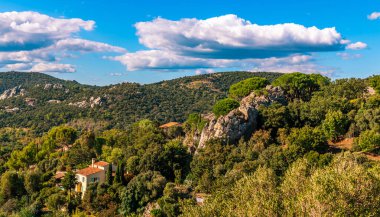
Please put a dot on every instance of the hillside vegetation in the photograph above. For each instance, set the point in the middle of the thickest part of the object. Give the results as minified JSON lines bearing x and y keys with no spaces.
{"x":295,"y":161}
{"x":118,"y":105}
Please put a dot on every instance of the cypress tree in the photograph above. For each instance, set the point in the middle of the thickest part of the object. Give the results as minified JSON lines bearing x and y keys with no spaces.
{"x":118,"y":178}
{"x":109,"y":175}
{"x":122,"y":177}
{"x":117,"y":174}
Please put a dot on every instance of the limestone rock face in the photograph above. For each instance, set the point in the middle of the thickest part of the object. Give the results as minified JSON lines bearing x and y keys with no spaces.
{"x":241,"y":121}
{"x":13,"y":92}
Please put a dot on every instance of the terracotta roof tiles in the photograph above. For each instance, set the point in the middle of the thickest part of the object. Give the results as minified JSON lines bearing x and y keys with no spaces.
{"x":88,"y":171}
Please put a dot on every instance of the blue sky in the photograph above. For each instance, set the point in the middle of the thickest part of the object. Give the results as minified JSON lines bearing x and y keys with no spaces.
{"x":166,"y":45}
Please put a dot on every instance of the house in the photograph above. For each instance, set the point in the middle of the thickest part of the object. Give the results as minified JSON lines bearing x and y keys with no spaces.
{"x":96,"y":172}
{"x":170,"y":124}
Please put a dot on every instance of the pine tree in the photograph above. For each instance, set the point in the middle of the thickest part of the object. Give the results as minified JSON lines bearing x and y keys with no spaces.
{"x":109,"y":175}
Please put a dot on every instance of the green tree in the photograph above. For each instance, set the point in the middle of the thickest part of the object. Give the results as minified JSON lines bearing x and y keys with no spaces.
{"x":307,"y":139}
{"x":142,"y":189}
{"x":368,"y":140}
{"x":117,"y":178}
{"x":224,"y":106}
{"x":133,"y":165}
{"x":300,"y":86}
{"x":374,"y":81}
{"x":109,"y":175}
{"x":69,"y":182}
{"x":55,"y":201}
{"x":62,"y":135}
{"x":32,"y":182}
{"x":245,"y":87}
{"x":12,"y":185}
{"x":274,"y":116}
{"x":335,"y":125}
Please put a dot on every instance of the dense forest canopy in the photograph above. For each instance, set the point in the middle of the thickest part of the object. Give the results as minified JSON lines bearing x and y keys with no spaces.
{"x":56,"y":102}
{"x":314,"y":154}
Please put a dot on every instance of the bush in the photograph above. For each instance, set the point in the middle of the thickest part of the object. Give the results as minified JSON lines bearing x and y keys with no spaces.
{"x":142,"y":189}
{"x":335,"y":125}
{"x":308,"y":139}
{"x":368,"y":140}
{"x":245,"y":87}
{"x":224,"y":106}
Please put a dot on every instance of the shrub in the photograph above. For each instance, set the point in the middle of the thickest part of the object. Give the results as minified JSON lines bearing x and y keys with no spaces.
{"x":224,"y":106}
{"x":368,"y":140}
{"x":245,"y":87}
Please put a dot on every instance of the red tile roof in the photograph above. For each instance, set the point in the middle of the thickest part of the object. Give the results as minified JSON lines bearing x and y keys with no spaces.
{"x":171,"y":124}
{"x":88,"y":171}
{"x":101,"y":163}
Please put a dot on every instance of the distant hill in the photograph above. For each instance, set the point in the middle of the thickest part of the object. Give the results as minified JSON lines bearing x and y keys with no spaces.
{"x":41,"y":101}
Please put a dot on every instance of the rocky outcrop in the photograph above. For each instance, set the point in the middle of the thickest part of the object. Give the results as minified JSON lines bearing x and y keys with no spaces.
{"x":241,"y":121}
{"x":13,"y":92}
{"x":99,"y":101}
{"x":30,"y":101}
{"x":92,"y":102}
{"x":52,"y":86}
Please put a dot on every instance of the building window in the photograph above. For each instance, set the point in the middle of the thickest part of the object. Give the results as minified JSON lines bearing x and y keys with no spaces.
{"x":83,"y":179}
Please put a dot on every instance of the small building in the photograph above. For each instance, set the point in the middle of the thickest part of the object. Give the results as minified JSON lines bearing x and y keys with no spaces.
{"x":96,"y":172}
{"x":170,"y":124}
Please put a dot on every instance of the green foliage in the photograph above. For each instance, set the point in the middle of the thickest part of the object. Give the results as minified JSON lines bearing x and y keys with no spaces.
{"x":224,"y":106}
{"x":285,"y":168}
{"x":300,"y":86}
{"x":255,"y":195}
{"x":335,"y":125}
{"x":142,"y":189}
{"x":124,"y":103}
{"x":374,"y":81}
{"x":32,"y":182}
{"x":69,"y":181}
{"x":348,"y":88}
{"x":194,"y":122}
{"x":245,"y":87}
{"x":307,"y":139}
{"x":109,"y":175}
{"x":62,"y":135}
{"x":118,"y":174}
{"x":344,"y":187}
{"x":56,"y":201}
{"x":12,"y":185}
{"x":274,"y":116}
{"x":368,"y":140}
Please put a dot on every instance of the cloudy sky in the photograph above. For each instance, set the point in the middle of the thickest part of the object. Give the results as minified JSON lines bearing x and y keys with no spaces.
{"x":108,"y":41}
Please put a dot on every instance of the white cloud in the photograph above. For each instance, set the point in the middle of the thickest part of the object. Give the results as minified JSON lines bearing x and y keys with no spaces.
{"x":53,"y":67}
{"x":161,"y":60}
{"x":18,"y":66}
{"x":357,"y":46}
{"x":230,"y":37}
{"x":164,"y":60}
{"x":204,"y":71}
{"x":374,"y":16}
{"x":347,"y":56}
{"x":31,"y":30}
{"x":82,"y":45}
{"x":296,"y":63}
{"x":34,"y":41}
{"x":116,"y":74}
{"x":231,"y":42}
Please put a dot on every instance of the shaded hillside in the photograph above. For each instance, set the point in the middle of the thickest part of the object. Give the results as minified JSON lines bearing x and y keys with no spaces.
{"x":47,"y":101}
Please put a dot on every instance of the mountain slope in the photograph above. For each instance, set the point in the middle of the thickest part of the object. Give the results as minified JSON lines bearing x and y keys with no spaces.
{"x":46,"y":101}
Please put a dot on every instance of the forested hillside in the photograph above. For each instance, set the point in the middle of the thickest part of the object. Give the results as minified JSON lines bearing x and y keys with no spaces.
{"x":263,"y":144}
{"x":53,"y":102}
